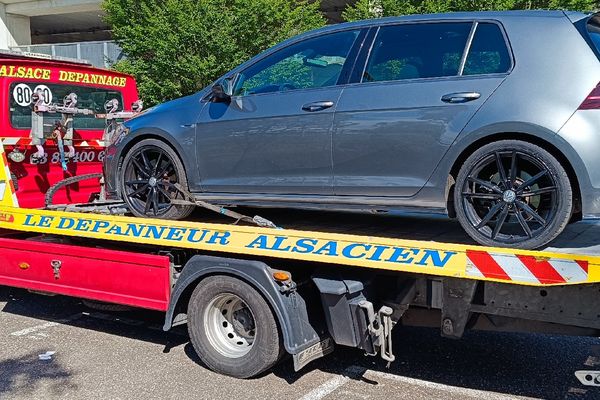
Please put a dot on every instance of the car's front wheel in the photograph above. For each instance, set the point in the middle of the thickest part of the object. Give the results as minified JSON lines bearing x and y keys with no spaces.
{"x":512,"y":193}
{"x":149,"y":173}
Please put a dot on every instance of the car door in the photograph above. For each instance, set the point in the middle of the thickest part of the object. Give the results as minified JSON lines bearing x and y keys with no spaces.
{"x":274,"y":136}
{"x":421,"y":84}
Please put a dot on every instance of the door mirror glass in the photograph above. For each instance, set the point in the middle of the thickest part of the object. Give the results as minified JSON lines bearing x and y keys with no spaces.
{"x":223,"y":89}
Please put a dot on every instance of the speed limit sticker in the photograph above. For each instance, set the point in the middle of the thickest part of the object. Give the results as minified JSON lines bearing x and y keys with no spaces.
{"x":22,"y":94}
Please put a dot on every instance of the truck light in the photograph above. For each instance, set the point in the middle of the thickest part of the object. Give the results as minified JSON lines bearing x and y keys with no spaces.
{"x":16,"y":156}
{"x":281,"y":276}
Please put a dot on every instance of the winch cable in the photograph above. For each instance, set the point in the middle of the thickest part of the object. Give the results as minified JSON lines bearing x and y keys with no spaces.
{"x":257,"y":219}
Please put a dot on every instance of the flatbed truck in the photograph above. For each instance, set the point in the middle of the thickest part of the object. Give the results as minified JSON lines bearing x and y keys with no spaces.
{"x":251,"y":295}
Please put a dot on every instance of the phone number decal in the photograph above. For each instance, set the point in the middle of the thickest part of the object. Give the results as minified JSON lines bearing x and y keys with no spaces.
{"x":80,"y":156}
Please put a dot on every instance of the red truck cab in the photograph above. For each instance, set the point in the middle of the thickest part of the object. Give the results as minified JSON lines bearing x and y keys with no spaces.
{"x":20,"y":77}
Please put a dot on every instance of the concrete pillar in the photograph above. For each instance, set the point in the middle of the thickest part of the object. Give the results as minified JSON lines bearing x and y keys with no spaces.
{"x":20,"y":29}
{"x":14,"y":29}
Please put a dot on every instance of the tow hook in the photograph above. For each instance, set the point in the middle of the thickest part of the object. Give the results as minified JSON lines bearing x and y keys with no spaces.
{"x":56,"y":264}
{"x":380,"y":329}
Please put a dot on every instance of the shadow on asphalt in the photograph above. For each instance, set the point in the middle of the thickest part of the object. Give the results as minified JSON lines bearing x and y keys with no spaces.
{"x":23,"y":375}
{"x":532,"y":365}
{"x":136,"y":324}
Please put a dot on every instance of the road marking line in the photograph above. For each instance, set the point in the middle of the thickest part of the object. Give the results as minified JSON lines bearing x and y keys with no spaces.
{"x":334,"y":383}
{"x":46,"y":325}
{"x":479,"y":394}
{"x":33,"y":329}
{"x":355,"y":371}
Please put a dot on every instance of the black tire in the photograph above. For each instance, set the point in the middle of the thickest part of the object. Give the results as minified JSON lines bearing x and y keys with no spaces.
{"x":48,"y":198}
{"x":512,"y":193}
{"x":148,"y":188}
{"x":266,"y":347}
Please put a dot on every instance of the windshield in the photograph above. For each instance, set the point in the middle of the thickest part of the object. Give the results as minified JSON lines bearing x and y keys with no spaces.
{"x":88,"y":97}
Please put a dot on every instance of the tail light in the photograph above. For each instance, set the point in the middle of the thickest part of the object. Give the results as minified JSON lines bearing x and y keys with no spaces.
{"x":592,"y":102}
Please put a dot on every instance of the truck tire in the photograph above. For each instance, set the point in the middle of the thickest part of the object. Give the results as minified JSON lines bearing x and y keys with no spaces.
{"x":232,"y":328}
{"x":512,"y":193}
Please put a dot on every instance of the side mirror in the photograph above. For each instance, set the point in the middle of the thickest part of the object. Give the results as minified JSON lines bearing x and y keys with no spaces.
{"x":223,"y":89}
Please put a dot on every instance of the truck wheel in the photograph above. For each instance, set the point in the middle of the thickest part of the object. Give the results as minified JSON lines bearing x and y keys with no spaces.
{"x":232,"y":328}
{"x":150,"y":171}
{"x":512,"y":193}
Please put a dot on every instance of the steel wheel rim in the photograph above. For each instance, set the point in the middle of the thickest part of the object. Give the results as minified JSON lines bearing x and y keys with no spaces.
{"x":149,"y":181}
{"x":230,"y":325}
{"x":516,"y":202}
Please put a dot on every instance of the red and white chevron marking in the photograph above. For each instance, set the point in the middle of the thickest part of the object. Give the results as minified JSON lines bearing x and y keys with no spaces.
{"x":21,"y":141}
{"x":482,"y":264}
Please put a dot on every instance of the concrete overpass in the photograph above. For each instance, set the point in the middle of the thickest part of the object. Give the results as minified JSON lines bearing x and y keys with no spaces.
{"x":24,"y":22}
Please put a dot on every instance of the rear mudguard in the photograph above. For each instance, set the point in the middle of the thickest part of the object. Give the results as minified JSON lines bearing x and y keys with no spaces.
{"x":288,"y":305}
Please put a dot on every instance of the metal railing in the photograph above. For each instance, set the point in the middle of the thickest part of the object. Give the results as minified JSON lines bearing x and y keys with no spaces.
{"x":101,"y":54}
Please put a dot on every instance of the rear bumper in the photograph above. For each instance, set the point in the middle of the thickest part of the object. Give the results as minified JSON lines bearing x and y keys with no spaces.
{"x":582,"y":134}
{"x":591,"y":204}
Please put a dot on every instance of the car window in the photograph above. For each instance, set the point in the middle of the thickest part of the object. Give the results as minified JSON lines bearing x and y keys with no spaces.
{"x":87,"y":97}
{"x":413,"y":51}
{"x":312,"y":63}
{"x":488,"y":53}
{"x":593,"y":28}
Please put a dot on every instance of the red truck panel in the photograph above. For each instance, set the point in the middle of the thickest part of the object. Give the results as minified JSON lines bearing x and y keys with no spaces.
{"x":134,"y":279}
{"x":32,"y":179}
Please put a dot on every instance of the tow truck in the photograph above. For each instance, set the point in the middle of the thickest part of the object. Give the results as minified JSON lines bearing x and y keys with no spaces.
{"x":252,"y":291}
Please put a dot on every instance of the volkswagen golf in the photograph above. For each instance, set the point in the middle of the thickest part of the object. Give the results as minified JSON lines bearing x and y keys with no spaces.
{"x":492,"y":118}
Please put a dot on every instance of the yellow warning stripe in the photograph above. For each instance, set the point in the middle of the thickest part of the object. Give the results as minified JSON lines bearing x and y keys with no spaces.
{"x":422,"y":257}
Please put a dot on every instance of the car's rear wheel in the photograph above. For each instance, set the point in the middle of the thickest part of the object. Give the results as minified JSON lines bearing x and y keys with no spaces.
{"x":148,"y":176}
{"x":513,"y":194}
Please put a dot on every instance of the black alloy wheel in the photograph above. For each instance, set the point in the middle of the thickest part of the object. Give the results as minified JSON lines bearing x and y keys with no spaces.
{"x":513,"y":194}
{"x":149,"y":174}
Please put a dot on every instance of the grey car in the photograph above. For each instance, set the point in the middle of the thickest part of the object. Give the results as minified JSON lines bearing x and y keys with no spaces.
{"x":491,"y":117}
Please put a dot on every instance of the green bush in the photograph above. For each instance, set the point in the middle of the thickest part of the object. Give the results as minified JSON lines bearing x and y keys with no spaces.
{"x":364,"y":9}
{"x":176,"y":47}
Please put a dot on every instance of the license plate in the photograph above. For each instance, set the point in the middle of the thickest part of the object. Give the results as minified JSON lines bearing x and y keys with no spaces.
{"x":315,"y":351}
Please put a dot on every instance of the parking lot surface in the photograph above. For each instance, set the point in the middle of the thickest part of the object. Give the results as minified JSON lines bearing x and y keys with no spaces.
{"x":125,"y":355}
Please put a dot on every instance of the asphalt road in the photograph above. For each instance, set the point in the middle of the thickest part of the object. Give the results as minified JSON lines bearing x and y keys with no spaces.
{"x":102,"y":355}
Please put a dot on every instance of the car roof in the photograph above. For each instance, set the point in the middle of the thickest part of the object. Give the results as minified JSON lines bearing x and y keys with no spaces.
{"x":467,"y":16}
{"x":495,"y":15}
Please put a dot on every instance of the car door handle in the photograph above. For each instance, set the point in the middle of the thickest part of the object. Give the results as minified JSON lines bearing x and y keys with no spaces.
{"x":317,"y":106}
{"x":461,"y":97}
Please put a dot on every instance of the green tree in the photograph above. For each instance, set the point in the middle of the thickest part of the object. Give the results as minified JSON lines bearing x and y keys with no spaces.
{"x":364,"y":9}
{"x":176,"y":47}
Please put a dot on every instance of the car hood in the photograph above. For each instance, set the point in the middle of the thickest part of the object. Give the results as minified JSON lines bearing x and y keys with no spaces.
{"x":173,"y":107}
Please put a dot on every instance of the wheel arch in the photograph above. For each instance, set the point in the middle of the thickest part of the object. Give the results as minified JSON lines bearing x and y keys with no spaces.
{"x":138,"y":136}
{"x":289,"y":308}
{"x":524,"y":137}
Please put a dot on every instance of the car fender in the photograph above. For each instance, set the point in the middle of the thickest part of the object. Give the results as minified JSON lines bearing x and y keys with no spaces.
{"x":511,"y":130}
{"x":187,"y":156}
